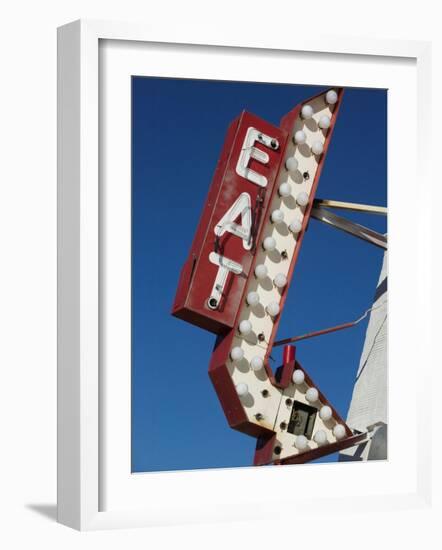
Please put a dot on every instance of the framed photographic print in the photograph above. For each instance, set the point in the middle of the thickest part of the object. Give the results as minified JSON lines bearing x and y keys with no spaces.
{"x":226,"y":348}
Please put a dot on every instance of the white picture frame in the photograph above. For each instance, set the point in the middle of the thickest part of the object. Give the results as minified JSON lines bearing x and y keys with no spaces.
{"x":95,"y":487}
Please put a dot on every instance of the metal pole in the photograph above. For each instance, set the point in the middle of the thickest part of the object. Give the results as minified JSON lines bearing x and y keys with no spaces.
{"x":312,"y":334}
{"x":288,"y":354}
{"x":351,"y":206}
{"x":359,"y":231}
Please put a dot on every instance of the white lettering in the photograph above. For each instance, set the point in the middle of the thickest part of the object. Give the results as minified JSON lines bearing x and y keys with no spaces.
{"x":248,"y":151}
{"x":225,"y":266}
{"x":241,"y":207}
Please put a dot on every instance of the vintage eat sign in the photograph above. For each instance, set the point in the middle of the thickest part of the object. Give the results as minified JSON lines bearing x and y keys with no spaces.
{"x":235,"y":280}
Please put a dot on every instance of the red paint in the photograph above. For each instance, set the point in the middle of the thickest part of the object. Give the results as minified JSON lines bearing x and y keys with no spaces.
{"x":198,"y":274}
{"x":288,"y":354}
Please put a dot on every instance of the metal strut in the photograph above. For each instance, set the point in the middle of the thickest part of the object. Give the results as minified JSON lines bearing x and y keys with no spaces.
{"x":352,"y":206}
{"x":350,"y":227}
{"x":327,"y":330}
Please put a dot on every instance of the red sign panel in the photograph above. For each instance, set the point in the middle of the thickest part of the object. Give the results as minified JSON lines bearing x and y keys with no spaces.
{"x":213,"y":278}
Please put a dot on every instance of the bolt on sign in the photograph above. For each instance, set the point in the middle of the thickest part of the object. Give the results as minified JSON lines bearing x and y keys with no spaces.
{"x":235,"y":280}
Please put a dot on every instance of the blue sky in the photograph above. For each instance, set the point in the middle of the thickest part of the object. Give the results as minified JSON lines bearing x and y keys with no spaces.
{"x":177,"y":134}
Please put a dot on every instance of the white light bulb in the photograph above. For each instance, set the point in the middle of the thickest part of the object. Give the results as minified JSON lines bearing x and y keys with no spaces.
{"x":261,"y":271}
{"x":277,"y":216}
{"x":280,"y":280}
{"x":317,"y":148}
{"x":302,"y":198}
{"x":295,"y":226}
{"x":236,"y":353}
{"x":301,"y":442}
{"x":331,"y":97}
{"x":320,"y":437}
{"x":307,"y":111}
{"x":252,"y":299}
{"x":339,"y":431}
{"x":269,"y":244}
{"x":324,"y":122}
{"x":325,"y":413}
{"x":242,"y":389}
{"x":285,"y":189}
{"x":273,"y":309}
{"x":298,"y":377}
{"x":291,"y":164}
{"x":312,"y":395}
{"x":256,"y":363}
{"x":300,"y":137}
{"x":245,"y":327}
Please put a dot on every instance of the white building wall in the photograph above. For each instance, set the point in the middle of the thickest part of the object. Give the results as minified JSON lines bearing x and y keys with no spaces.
{"x":369,"y":402}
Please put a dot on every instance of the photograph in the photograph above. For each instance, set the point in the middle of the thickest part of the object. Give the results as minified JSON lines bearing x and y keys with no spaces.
{"x":258,"y":274}
{"x":221,"y":266}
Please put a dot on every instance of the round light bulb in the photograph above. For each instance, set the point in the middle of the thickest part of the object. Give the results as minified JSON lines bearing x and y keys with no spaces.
{"x":256,"y":363}
{"x":300,"y":137}
{"x":245,"y":327}
{"x":302,"y":198}
{"x":295,"y":226}
{"x":277,"y":216}
{"x":320,"y":437}
{"x":298,"y":377}
{"x":325,"y":413}
{"x":280,"y":280}
{"x":285,"y":189}
{"x":339,"y":431}
{"x":261,"y":271}
{"x":312,"y":395}
{"x":242,"y":389}
{"x":236,"y":353}
{"x":269,"y":244}
{"x":273,"y":309}
{"x":324,"y":122}
{"x":252,"y":299}
{"x":331,"y":97}
{"x":291,"y":164}
{"x":307,"y":111}
{"x":317,"y":148}
{"x":301,"y":442}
